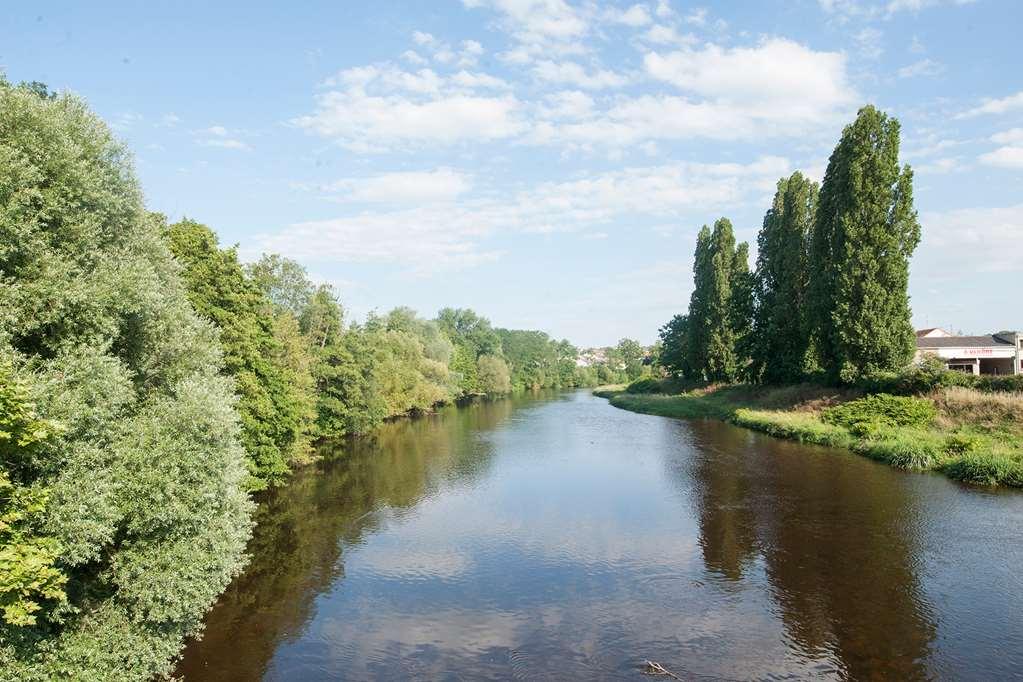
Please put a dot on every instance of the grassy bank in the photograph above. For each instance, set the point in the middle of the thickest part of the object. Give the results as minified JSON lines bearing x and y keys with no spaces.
{"x":969,"y":435}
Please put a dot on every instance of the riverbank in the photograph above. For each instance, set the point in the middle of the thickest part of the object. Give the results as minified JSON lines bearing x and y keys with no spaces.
{"x":971,"y":436}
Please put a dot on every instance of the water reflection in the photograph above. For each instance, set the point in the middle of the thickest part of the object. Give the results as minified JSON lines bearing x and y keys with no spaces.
{"x":838,"y":545}
{"x":303,"y":530}
{"x":555,"y":537}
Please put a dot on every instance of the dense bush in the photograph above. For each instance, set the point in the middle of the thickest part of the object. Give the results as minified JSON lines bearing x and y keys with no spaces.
{"x":932,"y":374}
{"x":882,"y":409}
{"x":647,"y":385}
{"x":137,"y":497}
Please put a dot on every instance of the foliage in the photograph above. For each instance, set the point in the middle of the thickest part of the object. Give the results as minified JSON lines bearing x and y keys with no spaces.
{"x":710,"y":341}
{"x":494,"y":377}
{"x":537,"y":361}
{"x":882,"y":409}
{"x":137,"y":499}
{"x":647,"y":385}
{"x":866,"y":230}
{"x":347,"y":398}
{"x":674,"y":356}
{"x":29,"y":575}
{"x":272,"y":404}
{"x":781,"y":335}
{"x":284,"y":283}
{"x":930,"y":374}
{"x":631,"y":354}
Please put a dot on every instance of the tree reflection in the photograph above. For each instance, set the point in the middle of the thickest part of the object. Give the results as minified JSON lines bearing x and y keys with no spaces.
{"x":304,"y":529}
{"x":839,"y":541}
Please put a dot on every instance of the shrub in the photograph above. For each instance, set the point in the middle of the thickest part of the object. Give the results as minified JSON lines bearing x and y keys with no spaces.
{"x":647,"y":385}
{"x":882,"y":409}
{"x":959,"y":444}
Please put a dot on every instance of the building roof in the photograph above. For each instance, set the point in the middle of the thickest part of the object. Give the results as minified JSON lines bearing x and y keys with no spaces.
{"x":960,"y":341}
{"x":930,"y":331}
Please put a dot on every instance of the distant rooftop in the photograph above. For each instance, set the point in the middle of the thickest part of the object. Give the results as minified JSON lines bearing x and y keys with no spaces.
{"x":960,"y":341}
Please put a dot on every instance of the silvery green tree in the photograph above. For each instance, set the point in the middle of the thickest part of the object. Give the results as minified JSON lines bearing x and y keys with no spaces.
{"x":139,"y":484}
{"x":781,"y":336}
{"x":865,"y":232}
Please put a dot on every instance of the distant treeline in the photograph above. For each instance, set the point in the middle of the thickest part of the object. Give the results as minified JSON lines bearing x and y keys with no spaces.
{"x":828,"y":298}
{"x":149,"y":381}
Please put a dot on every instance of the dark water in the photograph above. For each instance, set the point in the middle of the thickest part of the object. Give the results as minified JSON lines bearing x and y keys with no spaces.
{"x":559,"y":538}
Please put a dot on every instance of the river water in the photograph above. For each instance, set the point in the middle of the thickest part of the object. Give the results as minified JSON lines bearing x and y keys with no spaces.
{"x":554,"y":537}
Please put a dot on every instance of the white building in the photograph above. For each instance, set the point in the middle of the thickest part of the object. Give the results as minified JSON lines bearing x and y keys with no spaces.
{"x":999,"y":353}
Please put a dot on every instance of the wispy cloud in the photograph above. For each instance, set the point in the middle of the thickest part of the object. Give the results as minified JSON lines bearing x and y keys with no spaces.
{"x":995,"y":106}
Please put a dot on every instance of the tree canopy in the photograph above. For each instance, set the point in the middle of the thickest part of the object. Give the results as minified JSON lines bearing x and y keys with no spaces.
{"x":125,"y":521}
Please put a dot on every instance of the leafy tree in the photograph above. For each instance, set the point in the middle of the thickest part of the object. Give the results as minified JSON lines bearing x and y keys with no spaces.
{"x":283,"y":281}
{"x":273,"y":408}
{"x":674,"y":356}
{"x":137,"y":498}
{"x":865,"y":232}
{"x":741,"y":308}
{"x":465,"y":370}
{"x":494,"y":377}
{"x":718,"y":310}
{"x":348,"y":401}
{"x":463,"y":325}
{"x":631,"y":354}
{"x":781,"y":337}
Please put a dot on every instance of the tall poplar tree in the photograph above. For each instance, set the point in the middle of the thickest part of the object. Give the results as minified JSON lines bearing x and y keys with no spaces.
{"x":718,"y":309}
{"x":697,"y":326}
{"x":781,"y":336}
{"x":865,"y":232}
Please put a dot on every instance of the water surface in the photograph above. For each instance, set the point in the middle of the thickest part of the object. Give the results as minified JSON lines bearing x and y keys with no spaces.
{"x":555,"y":537}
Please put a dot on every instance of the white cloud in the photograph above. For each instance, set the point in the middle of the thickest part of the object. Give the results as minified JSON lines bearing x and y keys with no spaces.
{"x":382,"y":107}
{"x":441,"y":184}
{"x":635,"y":16}
{"x":574,"y":74}
{"x":1004,"y":157}
{"x":939,"y":166}
{"x":984,"y":233}
{"x":698,"y":17}
{"x":568,"y":104}
{"x":478,"y":80}
{"x":540,"y":27}
{"x":661,"y":34}
{"x":869,"y":41}
{"x":422,"y":38}
{"x":225,"y":143}
{"x":923,"y":67}
{"x":1010,"y":155}
{"x":219,"y":136}
{"x":995,"y":106}
{"x":439,"y":233}
{"x":1013,"y":136}
{"x":413,"y":57}
{"x":778,"y":81}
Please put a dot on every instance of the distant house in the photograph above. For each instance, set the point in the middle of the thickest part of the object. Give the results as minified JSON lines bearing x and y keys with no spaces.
{"x":999,"y":353}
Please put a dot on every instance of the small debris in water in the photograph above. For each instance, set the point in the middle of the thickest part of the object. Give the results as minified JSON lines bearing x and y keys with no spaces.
{"x":651,"y":668}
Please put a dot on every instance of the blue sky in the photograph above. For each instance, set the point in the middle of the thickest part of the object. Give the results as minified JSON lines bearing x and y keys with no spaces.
{"x":545,"y":162}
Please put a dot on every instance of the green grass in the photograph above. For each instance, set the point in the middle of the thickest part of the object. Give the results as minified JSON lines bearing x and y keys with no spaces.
{"x":959,"y":444}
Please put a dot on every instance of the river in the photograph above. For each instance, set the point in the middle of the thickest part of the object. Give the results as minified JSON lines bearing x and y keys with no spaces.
{"x":554,"y":537}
